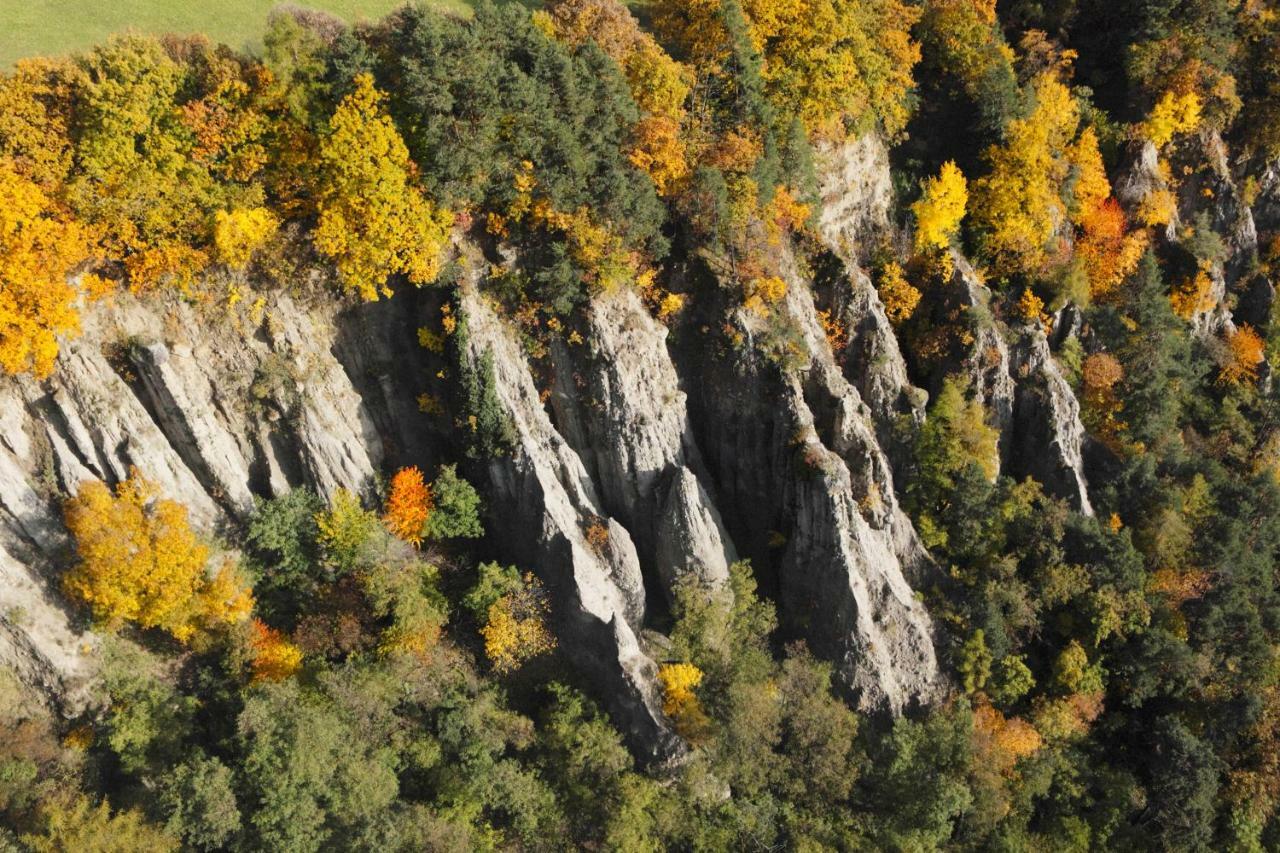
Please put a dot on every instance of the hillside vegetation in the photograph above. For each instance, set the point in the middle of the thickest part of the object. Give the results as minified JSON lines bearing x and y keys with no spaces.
{"x":782,"y":424}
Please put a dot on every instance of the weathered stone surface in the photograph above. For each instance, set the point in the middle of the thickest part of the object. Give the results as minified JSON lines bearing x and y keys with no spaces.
{"x":629,"y":424}
{"x":690,"y":535}
{"x":856,"y":189}
{"x":986,"y":364}
{"x":545,"y":501}
{"x":1139,"y":178}
{"x":183,"y":412}
{"x":183,"y":399}
{"x":796,"y":462}
{"x":1048,"y":434}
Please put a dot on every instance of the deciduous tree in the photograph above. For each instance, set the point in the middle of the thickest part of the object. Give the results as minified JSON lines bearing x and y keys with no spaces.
{"x":940,"y":208}
{"x":409,"y":505}
{"x":140,"y":561}
{"x":374,"y":221}
{"x":39,"y":247}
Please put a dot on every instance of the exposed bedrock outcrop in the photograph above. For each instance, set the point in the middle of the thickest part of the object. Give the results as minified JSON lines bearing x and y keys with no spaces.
{"x":1028,"y":399}
{"x":1140,"y":177}
{"x":809,"y":495}
{"x":618,"y":402}
{"x":1199,"y":171}
{"x":1048,"y":437}
{"x":986,"y":362}
{"x":546,"y":503}
{"x":212,"y":419}
{"x":856,"y":189}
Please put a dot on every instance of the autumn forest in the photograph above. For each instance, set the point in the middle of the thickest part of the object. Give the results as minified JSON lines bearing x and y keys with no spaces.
{"x":690,"y":425}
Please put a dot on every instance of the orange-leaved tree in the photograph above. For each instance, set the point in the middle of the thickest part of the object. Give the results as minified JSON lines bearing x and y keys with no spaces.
{"x":409,"y":505}
{"x":140,"y":562}
{"x":1245,"y":352}
{"x":274,"y":658}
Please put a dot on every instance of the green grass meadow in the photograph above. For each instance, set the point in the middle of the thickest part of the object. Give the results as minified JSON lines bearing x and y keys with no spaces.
{"x":54,"y":27}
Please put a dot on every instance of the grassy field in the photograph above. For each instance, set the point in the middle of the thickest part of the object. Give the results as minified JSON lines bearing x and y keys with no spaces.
{"x":50,"y":27}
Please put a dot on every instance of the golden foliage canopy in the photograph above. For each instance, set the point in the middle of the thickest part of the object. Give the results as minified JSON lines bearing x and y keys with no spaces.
{"x":238,"y":233}
{"x":374,"y":221}
{"x":140,"y":562}
{"x":38,"y":249}
{"x":679,"y":702}
{"x":516,"y":628}
{"x":1018,"y":204}
{"x":900,"y":298}
{"x":824,"y":60}
{"x":940,"y":208}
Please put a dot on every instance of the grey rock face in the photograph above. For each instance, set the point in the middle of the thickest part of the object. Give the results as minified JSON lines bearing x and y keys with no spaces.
{"x":872,"y":359}
{"x":856,"y":189}
{"x":211,"y":421}
{"x":183,"y":399}
{"x":807,"y":490}
{"x":1049,"y":437}
{"x":630,"y":425}
{"x":1029,"y":400}
{"x":987,"y":363}
{"x":543,"y":496}
{"x":690,"y":539}
{"x":1139,"y":179}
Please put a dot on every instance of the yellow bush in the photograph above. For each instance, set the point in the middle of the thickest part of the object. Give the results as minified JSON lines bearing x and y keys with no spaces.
{"x":679,"y":702}
{"x":899,"y":297}
{"x":1245,"y":354}
{"x":238,"y":233}
{"x":1172,"y":115}
{"x":1193,"y":296}
{"x":516,"y":627}
{"x":37,"y":252}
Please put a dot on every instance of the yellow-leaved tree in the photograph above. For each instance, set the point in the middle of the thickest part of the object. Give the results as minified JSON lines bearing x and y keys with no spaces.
{"x":940,"y":208}
{"x":35,"y":118}
{"x":140,"y":562}
{"x":516,"y":627}
{"x":1175,"y":113}
{"x":831,"y":59}
{"x":1018,"y":204}
{"x":680,"y":703}
{"x":38,"y":249}
{"x":824,"y":60}
{"x":659,"y":84}
{"x":374,"y":221}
